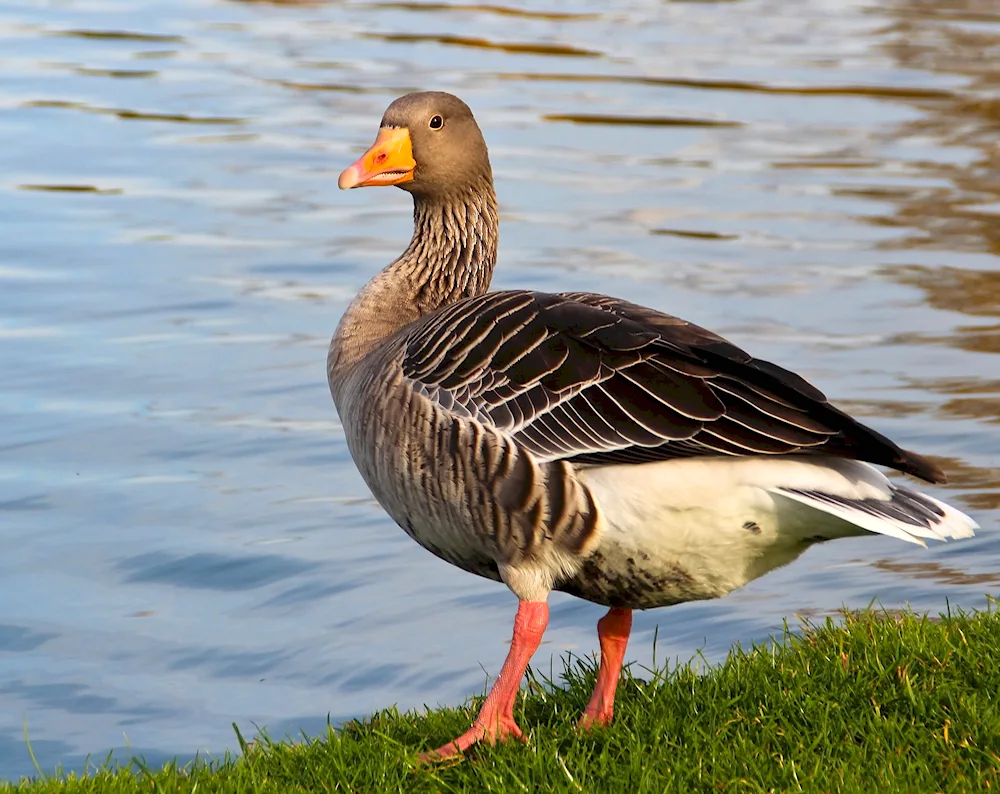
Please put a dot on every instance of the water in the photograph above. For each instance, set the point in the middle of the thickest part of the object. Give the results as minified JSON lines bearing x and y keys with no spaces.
{"x":184,"y":541}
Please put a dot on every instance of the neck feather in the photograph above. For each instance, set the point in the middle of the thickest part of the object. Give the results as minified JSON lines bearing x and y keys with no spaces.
{"x":451,"y":256}
{"x":453,"y":250}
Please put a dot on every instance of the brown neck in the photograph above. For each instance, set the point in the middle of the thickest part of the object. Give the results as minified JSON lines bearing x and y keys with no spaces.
{"x":451,"y":256}
{"x":453,"y":250}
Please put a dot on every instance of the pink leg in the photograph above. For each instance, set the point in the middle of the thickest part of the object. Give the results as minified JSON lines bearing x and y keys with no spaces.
{"x":612,"y":630}
{"x":496,"y":718}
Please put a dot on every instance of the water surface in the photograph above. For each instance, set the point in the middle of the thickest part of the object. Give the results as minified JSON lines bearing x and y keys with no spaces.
{"x":184,"y":541}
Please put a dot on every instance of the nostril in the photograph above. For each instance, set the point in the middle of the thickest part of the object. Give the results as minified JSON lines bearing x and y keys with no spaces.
{"x":380,"y":158}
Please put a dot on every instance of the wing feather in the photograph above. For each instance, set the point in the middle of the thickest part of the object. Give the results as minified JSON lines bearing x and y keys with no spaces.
{"x":596,"y":380}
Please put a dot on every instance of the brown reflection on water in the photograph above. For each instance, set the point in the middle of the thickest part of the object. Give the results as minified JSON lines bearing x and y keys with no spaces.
{"x":963,"y":214}
{"x":343,"y":88}
{"x":936,"y":572}
{"x":127,"y":74}
{"x":706,"y":84}
{"x":986,"y":409}
{"x":872,"y":408}
{"x":72,"y":189}
{"x":528,"y":48}
{"x":119,"y":35}
{"x":637,"y":121}
{"x":131,"y":115}
{"x":956,"y":206}
{"x":692,"y":234}
{"x":482,"y":8}
{"x":983,"y":482}
{"x":967,"y":398}
{"x":975,"y":292}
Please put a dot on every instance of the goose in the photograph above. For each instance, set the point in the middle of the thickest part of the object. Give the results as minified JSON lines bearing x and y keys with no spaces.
{"x":579,"y":442}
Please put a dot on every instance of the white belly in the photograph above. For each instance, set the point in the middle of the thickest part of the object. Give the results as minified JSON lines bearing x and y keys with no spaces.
{"x":683,"y":530}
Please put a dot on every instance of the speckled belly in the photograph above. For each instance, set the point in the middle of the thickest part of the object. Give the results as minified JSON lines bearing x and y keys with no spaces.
{"x":635,"y":582}
{"x":666,"y":539}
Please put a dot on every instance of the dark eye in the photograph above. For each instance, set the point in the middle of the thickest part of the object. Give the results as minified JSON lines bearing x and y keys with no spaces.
{"x":436,"y":122}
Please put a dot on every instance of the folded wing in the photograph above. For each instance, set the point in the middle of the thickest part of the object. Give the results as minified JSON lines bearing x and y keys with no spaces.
{"x":596,"y":380}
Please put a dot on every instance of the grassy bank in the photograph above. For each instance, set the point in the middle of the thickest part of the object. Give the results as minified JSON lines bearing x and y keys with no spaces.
{"x":871,"y":702}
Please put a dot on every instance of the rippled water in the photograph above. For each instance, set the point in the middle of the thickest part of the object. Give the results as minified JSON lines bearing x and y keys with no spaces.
{"x":184,"y":541}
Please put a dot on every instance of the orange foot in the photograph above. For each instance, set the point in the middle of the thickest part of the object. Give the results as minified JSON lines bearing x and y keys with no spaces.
{"x":496,"y":718}
{"x":595,"y":719}
{"x":500,"y":731}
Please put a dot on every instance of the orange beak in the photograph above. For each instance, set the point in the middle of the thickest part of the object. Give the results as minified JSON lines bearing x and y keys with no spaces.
{"x":389,"y":161}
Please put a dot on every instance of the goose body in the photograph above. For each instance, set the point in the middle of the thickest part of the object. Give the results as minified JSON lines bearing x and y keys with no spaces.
{"x":575,"y":441}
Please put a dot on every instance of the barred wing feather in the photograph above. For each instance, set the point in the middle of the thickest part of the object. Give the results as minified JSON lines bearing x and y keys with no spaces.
{"x":596,"y":380}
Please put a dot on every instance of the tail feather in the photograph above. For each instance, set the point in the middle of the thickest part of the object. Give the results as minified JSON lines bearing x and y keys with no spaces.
{"x":898,"y":512}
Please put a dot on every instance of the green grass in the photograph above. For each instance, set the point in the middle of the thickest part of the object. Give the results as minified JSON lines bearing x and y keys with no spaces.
{"x":872,"y":702}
